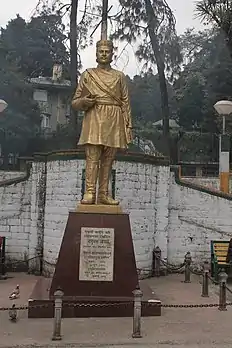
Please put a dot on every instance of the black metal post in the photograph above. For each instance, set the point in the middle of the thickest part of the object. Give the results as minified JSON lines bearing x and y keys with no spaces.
{"x":57,"y":315}
{"x":222,"y":290}
{"x":205,"y":280}
{"x":188,"y":261}
{"x":157,"y":258}
{"x":137,"y":313}
{"x":3,"y":257}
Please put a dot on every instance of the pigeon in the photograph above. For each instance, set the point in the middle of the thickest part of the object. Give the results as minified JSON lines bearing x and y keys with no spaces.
{"x":13,"y":314}
{"x":15,"y":294}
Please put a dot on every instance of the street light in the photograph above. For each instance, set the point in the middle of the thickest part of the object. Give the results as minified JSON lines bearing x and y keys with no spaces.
{"x":224,"y":109}
{"x":3,"y":105}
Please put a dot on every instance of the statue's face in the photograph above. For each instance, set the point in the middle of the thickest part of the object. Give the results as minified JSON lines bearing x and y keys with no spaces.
{"x":104,"y":54}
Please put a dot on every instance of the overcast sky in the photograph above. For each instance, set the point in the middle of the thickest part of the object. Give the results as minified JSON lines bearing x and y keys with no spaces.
{"x":183,"y":10}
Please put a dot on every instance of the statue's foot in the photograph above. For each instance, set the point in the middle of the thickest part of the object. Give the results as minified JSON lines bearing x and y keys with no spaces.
{"x":107,"y":200}
{"x":89,"y":198}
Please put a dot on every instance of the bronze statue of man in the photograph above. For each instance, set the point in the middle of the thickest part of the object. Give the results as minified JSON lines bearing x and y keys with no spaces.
{"x":103,"y":94}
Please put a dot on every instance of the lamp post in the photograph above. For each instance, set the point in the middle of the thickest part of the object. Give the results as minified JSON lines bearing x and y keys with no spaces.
{"x":3,"y":105}
{"x":224,"y":109}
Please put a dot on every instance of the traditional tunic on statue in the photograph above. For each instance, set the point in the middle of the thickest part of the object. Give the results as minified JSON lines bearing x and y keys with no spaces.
{"x":106,"y":122}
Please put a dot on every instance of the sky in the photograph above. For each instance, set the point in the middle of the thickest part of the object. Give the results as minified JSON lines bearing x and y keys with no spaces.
{"x":183,"y":11}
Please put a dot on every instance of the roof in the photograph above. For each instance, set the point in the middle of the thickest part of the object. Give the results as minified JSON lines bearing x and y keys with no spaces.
{"x":172,"y":124}
{"x":48,"y":82}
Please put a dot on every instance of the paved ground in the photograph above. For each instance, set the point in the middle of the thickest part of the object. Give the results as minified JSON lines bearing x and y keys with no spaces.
{"x":177,"y":327}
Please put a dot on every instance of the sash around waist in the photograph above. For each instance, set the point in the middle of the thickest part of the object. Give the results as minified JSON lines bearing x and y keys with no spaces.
{"x":103,"y":101}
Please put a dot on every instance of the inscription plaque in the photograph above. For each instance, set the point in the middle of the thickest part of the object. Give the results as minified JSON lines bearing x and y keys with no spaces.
{"x":96,"y":254}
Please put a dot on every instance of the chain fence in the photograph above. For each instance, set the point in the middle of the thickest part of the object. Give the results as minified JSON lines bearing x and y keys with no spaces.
{"x":60,"y":302}
{"x":59,"y":306}
{"x":173,"y":268}
{"x":101,"y":305}
{"x":186,"y":265}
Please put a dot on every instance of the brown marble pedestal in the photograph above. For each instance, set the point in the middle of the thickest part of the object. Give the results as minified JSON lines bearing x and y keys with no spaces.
{"x":86,"y":293}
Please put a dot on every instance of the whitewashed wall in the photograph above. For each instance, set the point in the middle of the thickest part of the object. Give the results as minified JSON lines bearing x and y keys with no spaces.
{"x":212,"y":182}
{"x":33,"y":213}
{"x":136,"y":187}
{"x":64,"y":181}
{"x":15,"y":205}
{"x":196,"y":218}
{"x":6,"y":175}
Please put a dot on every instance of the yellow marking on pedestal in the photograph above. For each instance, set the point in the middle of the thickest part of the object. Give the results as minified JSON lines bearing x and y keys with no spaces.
{"x":99,"y":209}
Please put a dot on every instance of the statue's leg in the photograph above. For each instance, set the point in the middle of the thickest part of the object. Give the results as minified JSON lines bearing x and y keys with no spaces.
{"x":107,"y":158}
{"x":93,"y":154}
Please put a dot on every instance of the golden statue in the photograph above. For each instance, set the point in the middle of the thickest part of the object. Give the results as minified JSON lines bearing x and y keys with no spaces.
{"x":103,"y":94}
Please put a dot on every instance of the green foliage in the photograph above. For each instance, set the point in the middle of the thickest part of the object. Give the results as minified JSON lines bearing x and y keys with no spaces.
{"x":205,"y":79}
{"x":26,"y":49}
{"x":218,"y":13}
{"x":145,"y":98}
{"x":185,"y":147}
{"x":35,"y":46}
{"x":133,"y":23}
{"x":22,"y":117}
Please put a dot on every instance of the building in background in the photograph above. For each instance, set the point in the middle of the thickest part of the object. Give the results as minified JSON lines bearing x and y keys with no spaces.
{"x":53,"y":94}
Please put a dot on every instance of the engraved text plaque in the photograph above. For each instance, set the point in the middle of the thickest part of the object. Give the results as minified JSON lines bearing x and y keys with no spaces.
{"x":96,"y":254}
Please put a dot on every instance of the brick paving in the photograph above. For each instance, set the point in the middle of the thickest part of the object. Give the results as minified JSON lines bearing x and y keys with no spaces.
{"x":177,"y":327}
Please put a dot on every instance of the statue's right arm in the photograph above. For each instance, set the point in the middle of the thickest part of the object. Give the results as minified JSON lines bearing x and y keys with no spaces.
{"x":77,"y":101}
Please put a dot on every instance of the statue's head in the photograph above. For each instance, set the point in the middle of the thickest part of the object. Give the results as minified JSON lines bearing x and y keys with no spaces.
{"x":104,"y":51}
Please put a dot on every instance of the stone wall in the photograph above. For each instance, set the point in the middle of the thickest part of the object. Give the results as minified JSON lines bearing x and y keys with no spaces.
{"x":63,"y":191}
{"x":212,"y":182}
{"x":136,"y":186}
{"x":195,"y":218}
{"x":177,"y":215}
{"x":15,"y":205}
{"x":6,"y":175}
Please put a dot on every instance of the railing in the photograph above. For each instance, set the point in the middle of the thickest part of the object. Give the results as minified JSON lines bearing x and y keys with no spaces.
{"x":59,"y":305}
{"x":185,"y":268}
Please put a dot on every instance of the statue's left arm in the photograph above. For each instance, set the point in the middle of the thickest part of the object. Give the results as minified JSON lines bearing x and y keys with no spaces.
{"x":126,"y":101}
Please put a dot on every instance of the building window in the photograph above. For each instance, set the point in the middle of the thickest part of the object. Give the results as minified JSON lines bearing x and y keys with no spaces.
{"x":40,"y":95}
{"x":68,"y":113}
{"x":45,"y":121}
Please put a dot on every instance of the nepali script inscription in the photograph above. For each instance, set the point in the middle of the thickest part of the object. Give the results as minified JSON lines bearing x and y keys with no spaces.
{"x":96,"y":254}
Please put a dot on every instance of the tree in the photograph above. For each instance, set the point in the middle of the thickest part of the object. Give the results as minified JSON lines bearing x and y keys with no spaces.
{"x":21,"y":119}
{"x":219,"y":13}
{"x":73,"y":60}
{"x":35,"y":46}
{"x":191,"y":99}
{"x":27,"y":49}
{"x":145,"y":99}
{"x":206,"y":78}
{"x":152,"y":26}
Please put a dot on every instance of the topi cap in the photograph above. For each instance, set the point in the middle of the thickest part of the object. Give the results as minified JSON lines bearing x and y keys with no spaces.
{"x":108,"y":43}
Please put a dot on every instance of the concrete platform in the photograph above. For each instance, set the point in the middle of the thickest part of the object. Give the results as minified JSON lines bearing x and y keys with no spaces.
{"x":41,"y":306}
{"x":176,"y":327}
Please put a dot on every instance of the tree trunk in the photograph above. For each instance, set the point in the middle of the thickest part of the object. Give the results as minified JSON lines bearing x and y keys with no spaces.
{"x":160,"y":68}
{"x":73,"y":63}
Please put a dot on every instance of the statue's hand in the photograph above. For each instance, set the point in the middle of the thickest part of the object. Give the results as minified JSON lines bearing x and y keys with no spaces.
{"x":89,"y":102}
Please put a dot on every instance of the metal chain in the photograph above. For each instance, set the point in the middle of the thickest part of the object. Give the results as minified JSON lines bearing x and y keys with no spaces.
{"x":12,"y":263}
{"x":207,"y":305}
{"x":228,"y":289}
{"x":171,"y":267}
{"x":196,"y":272}
{"x":96,"y":304}
{"x":213,"y":281}
{"x":177,"y":267}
